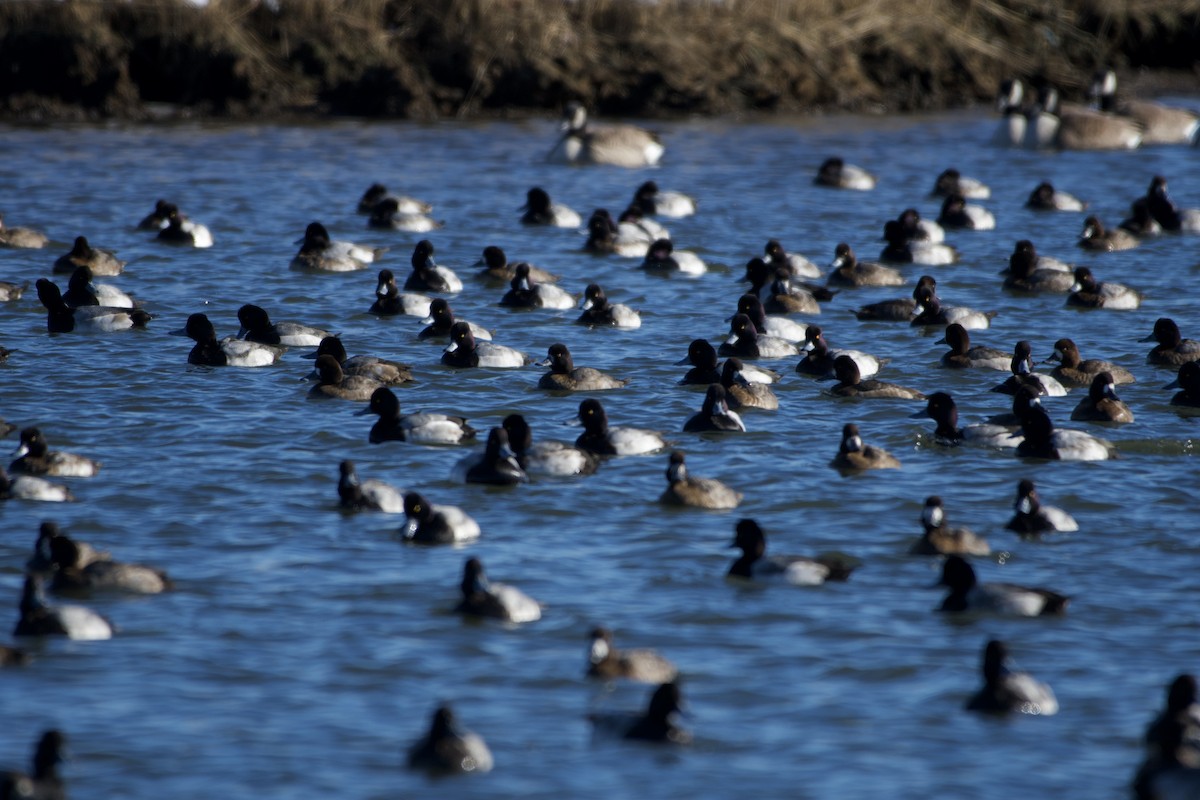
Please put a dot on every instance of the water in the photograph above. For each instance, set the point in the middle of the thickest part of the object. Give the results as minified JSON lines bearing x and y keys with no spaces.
{"x":304,"y":649}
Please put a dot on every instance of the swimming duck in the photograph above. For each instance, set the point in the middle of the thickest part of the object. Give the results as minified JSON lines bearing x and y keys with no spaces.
{"x":228,"y":352}
{"x":1078,"y":128}
{"x":463,"y":351}
{"x":1188,"y":381}
{"x":61,"y":318}
{"x":1172,"y":349}
{"x":714,"y":414}
{"x":393,"y":213}
{"x":495,"y":465}
{"x":377,"y":193}
{"x":430,"y":524}
{"x":847,"y":270}
{"x":102,"y":262}
{"x":156,"y":220}
{"x":951,"y":181}
{"x":496,"y":267}
{"x":1170,"y":771}
{"x":1087,"y":292}
{"x":745,"y":342}
{"x":599,"y":438}
{"x":958,"y":213}
{"x":44,"y":783}
{"x":256,"y":326}
{"x":1033,"y":519}
{"x":607,"y":662}
{"x":321,"y":254}
{"x":524,"y":292}
{"x":598,"y":311}
{"x":657,"y":724}
{"x":546,"y":457}
{"x":1023,"y":375}
{"x":1181,"y":707}
{"x":1140,"y":222}
{"x":941,"y":539}
{"x":565,"y":376}
{"x":779,"y":327}
{"x":33,"y":457}
{"x":76,"y":570}
{"x":1161,"y":124}
{"x":182,"y":231}
{"x":1043,"y":440}
{"x":797,"y":265}
{"x":21,"y":238}
{"x":920,"y":230}
{"x":851,"y":384}
{"x":441,"y":321}
{"x":967,"y":594}
{"x":540,"y":210}
{"x":1072,"y":371}
{"x":1105,"y":240}
{"x":1006,"y":690}
{"x":389,"y":300}
{"x":82,"y":291}
{"x":1102,"y":403}
{"x":685,"y":490}
{"x":482,"y":598}
{"x":929,"y":311}
{"x":27,"y":487}
{"x":449,"y":749}
{"x":784,"y":297}
{"x":903,"y":250}
{"x":74,"y":622}
{"x":42,"y":560}
{"x":740,"y":392}
{"x":619,"y":145}
{"x":426,"y":276}
{"x":754,"y":563}
{"x":706,"y":366}
{"x":837,"y":174}
{"x":634,"y":225}
{"x":332,"y":382}
{"x":963,"y":356}
{"x":854,"y":455}
{"x":655,"y":202}
{"x":369,"y":495}
{"x":606,"y":236}
{"x":1028,"y":272}
{"x":941,"y":408}
{"x":662,"y":257}
{"x":898,"y":310}
{"x":820,"y":357}
{"x":1166,"y":213}
{"x":389,"y":373}
{"x":422,"y":428}
{"x":1045,"y":197}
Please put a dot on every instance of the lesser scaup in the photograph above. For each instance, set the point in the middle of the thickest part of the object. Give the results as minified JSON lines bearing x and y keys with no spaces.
{"x":598,"y":311}
{"x":565,"y":376}
{"x":1006,"y":690}
{"x":1087,"y":292}
{"x":422,"y":428}
{"x":1169,"y":772}
{"x":854,"y":455}
{"x":376,"y":193}
{"x":951,"y":181}
{"x":369,"y":495}
{"x":495,"y":465}
{"x":619,"y":145}
{"x":1172,"y":349}
{"x":228,"y":352}
{"x":180,"y":230}
{"x":546,"y":457}
{"x":939,"y":538}
{"x":441,"y":321}
{"x":332,"y":382}
{"x":27,"y":487}
{"x":1073,"y":371}
{"x":44,"y":782}
{"x":837,"y":174}
{"x":34,"y":457}
{"x":1095,"y":236}
{"x":42,"y":560}
{"x":430,"y":524}
{"x":967,"y":594}
{"x":427,"y":276}
{"x":389,"y":300}
{"x":921,"y":230}
{"x":1188,"y":382}
{"x":540,"y":210}
{"x":941,"y":408}
{"x":76,"y":570}
{"x":663,"y":257}
{"x":685,"y":490}
{"x":784,"y":297}
{"x":156,"y":220}
{"x":847,"y":270}
{"x":1140,"y":222}
{"x":319,"y":253}
{"x":706,"y":366}
{"x":524,"y":292}
{"x":901,"y":249}
{"x":449,"y":749}
{"x":605,"y":236}
{"x":82,"y":254}
{"x":1028,"y":272}
{"x":496,"y":267}
{"x":82,"y":291}
{"x":779,"y":327}
{"x":897,"y":310}
{"x":1023,"y":375}
{"x":1102,"y":403}
{"x":61,"y":318}
{"x":714,"y":414}
{"x":850,"y":383}
{"x":464,"y":352}
{"x":256,"y":326}
{"x":1181,"y":707}
{"x":39,"y":619}
{"x":1043,"y":440}
{"x":958,"y":213}
{"x":21,"y":238}
{"x":392,"y":213}
{"x":656,"y":202}
{"x":755,"y":564}
{"x":1166,"y":213}
{"x":797,"y":265}
{"x":599,"y":438}
{"x":389,"y":373}
{"x":606,"y":662}
{"x":740,"y":392}
{"x":1045,"y":197}
{"x":820,"y":357}
{"x":657,"y":724}
{"x":746,"y":342}
{"x":1033,"y":519}
{"x":930,"y":312}
{"x":963,"y":356}
{"x":482,"y":598}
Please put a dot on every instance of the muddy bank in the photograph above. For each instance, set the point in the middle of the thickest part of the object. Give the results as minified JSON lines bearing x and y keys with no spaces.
{"x":466,"y":58}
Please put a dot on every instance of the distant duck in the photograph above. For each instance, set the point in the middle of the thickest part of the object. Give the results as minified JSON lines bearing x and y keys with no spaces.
{"x":482,"y":598}
{"x":495,"y":465}
{"x":1181,"y":707}
{"x":61,"y":318}
{"x":427,"y":276}
{"x":1102,"y":403}
{"x":464,"y":352}
{"x":940,"y":538}
{"x":837,"y":174}
{"x":1188,"y":382}
{"x":655,"y":202}
{"x":796,"y":265}
{"x":1170,"y":771}
{"x":441,"y":320}
{"x":33,"y":457}
{"x":598,"y":311}
{"x":847,"y":270}
{"x":1166,"y":213}
{"x":634,"y":224}
{"x":820,"y":357}
{"x":746,"y":342}
{"x":685,"y":490}
{"x":256,"y":326}
{"x":619,"y":145}
{"x":1033,"y":519}
{"x":1043,"y":440}
{"x":851,"y":384}
{"x":706,"y":366}
{"x":42,"y":560}
{"x":377,"y":193}
{"x":605,"y":661}
{"x":920,"y":230}
{"x":392,"y":213}
{"x":1078,"y":128}
{"x":1087,"y":292}
{"x":44,"y":783}
{"x":102,"y":262}
{"x":897,"y":310}
{"x":1172,"y":349}
{"x":599,"y":438}
{"x":76,"y":571}
{"x":81,"y":291}
{"x":606,"y":236}
{"x":941,"y":408}
{"x":28,"y":487}
{"x":1006,"y":690}
{"x":436,"y":524}
{"x":1023,"y":375}
{"x":755,"y":564}
{"x":540,"y":210}
{"x":332,"y":382}
{"x":228,"y":352}
{"x":421,"y":428}
{"x":449,"y":749}
{"x":663,"y":257}
{"x":389,"y":373}
{"x":369,"y":495}
{"x":496,"y":267}
{"x":929,"y":312}
{"x":779,"y":327}
{"x":714,"y":414}
{"x":75,"y":622}
{"x":1045,"y":197}
{"x":784,"y":297}
{"x":963,"y":356}
{"x":951,"y":181}
{"x":1075,"y":372}
{"x":157,"y":219}
{"x":1161,"y":124}
{"x":21,"y":238}
{"x":903,"y":250}
{"x":1140,"y":222}
{"x":546,"y":457}
{"x":182,"y":231}
{"x":854,"y":455}
{"x":1095,"y":236}
{"x":524,"y":292}
{"x":319,"y":253}
{"x":1028,"y":272}
{"x":389,"y":300}
{"x":958,"y":213}
{"x":657,"y":724}
{"x":740,"y":392}
{"x":967,"y":594}
{"x":565,"y":376}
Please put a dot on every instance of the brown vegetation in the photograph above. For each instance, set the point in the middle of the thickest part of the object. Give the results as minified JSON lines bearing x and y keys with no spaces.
{"x":81,"y":59}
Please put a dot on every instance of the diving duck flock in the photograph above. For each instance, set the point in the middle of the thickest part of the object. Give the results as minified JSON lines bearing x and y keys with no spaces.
{"x":763,"y":365}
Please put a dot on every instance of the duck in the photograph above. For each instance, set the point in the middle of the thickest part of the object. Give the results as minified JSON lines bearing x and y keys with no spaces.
{"x":847,"y":270}
{"x":76,"y":571}
{"x":633,"y":225}
{"x":82,"y":291}
{"x":463,"y":351}
{"x":1078,"y":128}
{"x":389,"y":300}
{"x":929,"y":312}
{"x":388,"y":373}
{"x":897,"y":310}
{"x":21,"y":238}
{"x":853,"y":455}
{"x":1166,"y":213}
{"x":618,"y":145}
{"x":228,"y":352}
{"x":28,"y":487}
{"x":565,"y":376}
{"x":10,"y":291}
{"x":606,"y":662}
{"x":599,"y":312}
{"x":796,"y":265}
{"x":101,"y":262}
{"x":319,"y":253}
{"x":156,"y":220}
{"x":1181,"y":707}
{"x":606,"y":237}
{"x":941,"y":408}
{"x":951,"y":181}
{"x":42,"y":560}
{"x":745,"y":342}
{"x":779,"y":327}
{"x":967,"y":594}
{"x":430,"y":524}
{"x":1098,"y":238}
{"x":1161,"y":124}
{"x":655,"y":202}
{"x":1075,"y":372}
{"x":496,"y":267}
{"x":441,"y":321}
{"x":1043,"y":440}
{"x":1023,"y":375}
{"x":837,"y":174}
{"x":44,"y":782}
{"x":941,"y":539}
{"x":663,"y":257}
{"x":851,"y":384}
{"x":1188,"y":382}
{"x":180,"y":230}
{"x":449,"y":749}
{"x":75,"y":622}
{"x":524,"y":292}
{"x":903,"y":250}
{"x":1033,"y":519}
{"x":1010,"y":103}
{"x":369,"y":495}
{"x":546,"y":457}
{"x":426,"y":276}
{"x":540,"y":210}
{"x":785,"y":297}
{"x":1045,"y":197}
{"x":256,"y":326}
{"x":1087,"y":292}
{"x":1028,"y":272}
{"x":1172,"y":349}
{"x":33,"y":457}
{"x":706,"y":366}
{"x":1006,"y":690}
{"x":377,"y":193}
{"x":392,"y":213}
{"x":740,"y":392}
{"x":820,"y":357}
{"x":482,"y":598}
{"x":657,"y":724}
{"x":920,"y":230}
{"x":714,"y":414}
{"x":332,"y":382}
{"x":754,"y":563}
{"x":422,"y":428}
{"x":685,"y":490}
{"x":963,"y":356}
{"x":599,"y":438}
{"x":495,"y":465}
{"x":61,"y":318}
{"x":1140,"y":222}
{"x":1102,"y":403}
{"x":1170,"y":771}
{"x":958,"y":213}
